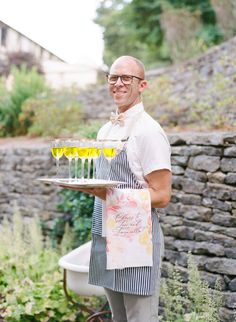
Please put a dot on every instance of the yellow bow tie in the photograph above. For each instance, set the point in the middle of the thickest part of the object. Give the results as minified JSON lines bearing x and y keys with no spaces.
{"x":117,"y":118}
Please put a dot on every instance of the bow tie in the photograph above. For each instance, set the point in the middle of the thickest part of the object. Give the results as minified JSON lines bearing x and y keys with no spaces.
{"x":117,"y":118}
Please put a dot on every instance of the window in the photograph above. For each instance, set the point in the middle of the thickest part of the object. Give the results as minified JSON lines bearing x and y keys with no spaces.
{"x":3,"y":36}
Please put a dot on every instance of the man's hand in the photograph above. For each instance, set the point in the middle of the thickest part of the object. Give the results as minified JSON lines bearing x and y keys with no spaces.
{"x":159,"y":184}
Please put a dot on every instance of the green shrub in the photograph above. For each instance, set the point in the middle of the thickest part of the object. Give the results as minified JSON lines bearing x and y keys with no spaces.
{"x":193,"y":302}
{"x":88,"y":130}
{"x":172,"y":297}
{"x":210,"y":34}
{"x":57,"y":114}
{"x":78,"y":209}
{"x":26,"y":84}
{"x":203,"y":304}
{"x":30,"y":278}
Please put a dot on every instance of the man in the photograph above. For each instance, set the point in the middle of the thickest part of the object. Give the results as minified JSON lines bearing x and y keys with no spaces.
{"x":143,"y":163}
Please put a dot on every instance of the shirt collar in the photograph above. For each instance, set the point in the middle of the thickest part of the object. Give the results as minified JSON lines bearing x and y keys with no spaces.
{"x":133,"y":110}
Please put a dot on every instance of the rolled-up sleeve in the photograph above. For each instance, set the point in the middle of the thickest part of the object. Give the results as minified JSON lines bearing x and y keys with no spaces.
{"x":153,"y":151}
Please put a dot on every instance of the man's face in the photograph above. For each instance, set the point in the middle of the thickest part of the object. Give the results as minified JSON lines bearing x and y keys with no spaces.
{"x":126,"y":96}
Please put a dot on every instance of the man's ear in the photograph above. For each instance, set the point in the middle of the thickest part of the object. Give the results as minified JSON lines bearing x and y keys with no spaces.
{"x":142,"y":85}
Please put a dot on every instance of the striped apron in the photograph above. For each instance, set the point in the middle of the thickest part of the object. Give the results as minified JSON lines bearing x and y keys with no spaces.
{"x":131,"y":280}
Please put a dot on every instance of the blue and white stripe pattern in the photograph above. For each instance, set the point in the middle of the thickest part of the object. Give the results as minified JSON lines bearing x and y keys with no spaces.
{"x":132,"y":280}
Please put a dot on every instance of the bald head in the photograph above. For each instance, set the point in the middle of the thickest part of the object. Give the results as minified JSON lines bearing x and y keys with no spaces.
{"x":128,"y":63}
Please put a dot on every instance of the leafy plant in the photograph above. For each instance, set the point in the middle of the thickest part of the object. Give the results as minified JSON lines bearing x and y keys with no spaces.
{"x":172,"y":297}
{"x":204,"y":305}
{"x":136,"y":28}
{"x":193,"y":302}
{"x":26,"y":84}
{"x":57,"y":114}
{"x":78,"y":208}
{"x":30,"y":278}
{"x":88,"y":130}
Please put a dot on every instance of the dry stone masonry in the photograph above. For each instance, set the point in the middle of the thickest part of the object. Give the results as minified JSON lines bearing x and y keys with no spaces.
{"x":201,"y":217}
{"x":19,"y":189}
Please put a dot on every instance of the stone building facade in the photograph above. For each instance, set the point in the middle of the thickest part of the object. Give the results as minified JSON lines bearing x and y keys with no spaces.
{"x":201,"y":217}
{"x":58,"y":73}
{"x":12,"y":40}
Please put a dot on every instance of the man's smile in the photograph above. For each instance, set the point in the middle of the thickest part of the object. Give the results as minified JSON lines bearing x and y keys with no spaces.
{"x":119,"y":92}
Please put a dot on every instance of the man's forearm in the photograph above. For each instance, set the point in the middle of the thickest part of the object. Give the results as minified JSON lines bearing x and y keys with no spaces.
{"x":159,"y":198}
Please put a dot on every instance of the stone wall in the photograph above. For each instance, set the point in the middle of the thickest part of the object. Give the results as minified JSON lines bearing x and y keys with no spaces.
{"x":19,"y":188}
{"x":200,"y":218}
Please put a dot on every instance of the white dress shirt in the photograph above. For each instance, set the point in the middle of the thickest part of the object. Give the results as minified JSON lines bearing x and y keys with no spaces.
{"x":148,"y":148}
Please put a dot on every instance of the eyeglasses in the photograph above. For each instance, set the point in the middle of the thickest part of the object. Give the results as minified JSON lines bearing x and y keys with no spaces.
{"x":125,"y":79}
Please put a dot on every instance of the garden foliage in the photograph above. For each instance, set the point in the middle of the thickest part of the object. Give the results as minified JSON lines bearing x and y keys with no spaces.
{"x":30,"y":278}
{"x":175,"y":29}
{"x":31,"y":281}
{"x":77,"y":208}
{"x":164,"y":31}
{"x":25,"y":84}
{"x":53,"y":114}
{"x":194,"y":302}
{"x":31,"y":107}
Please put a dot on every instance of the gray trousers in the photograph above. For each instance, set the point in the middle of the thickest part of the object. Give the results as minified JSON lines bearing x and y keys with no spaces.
{"x":134,"y":308}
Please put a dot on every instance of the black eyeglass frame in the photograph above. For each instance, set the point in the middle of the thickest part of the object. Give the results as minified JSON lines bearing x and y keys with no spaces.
{"x":120,"y":76}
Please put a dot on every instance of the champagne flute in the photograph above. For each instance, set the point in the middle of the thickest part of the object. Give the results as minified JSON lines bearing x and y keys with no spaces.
{"x":92,"y":154}
{"x":89,"y":157}
{"x":95,"y":154}
{"x":83,"y":152}
{"x":69,"y":152}
{"x":75,"y":144}
{"x":110,"y":151}
{"x":57,"y":152}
